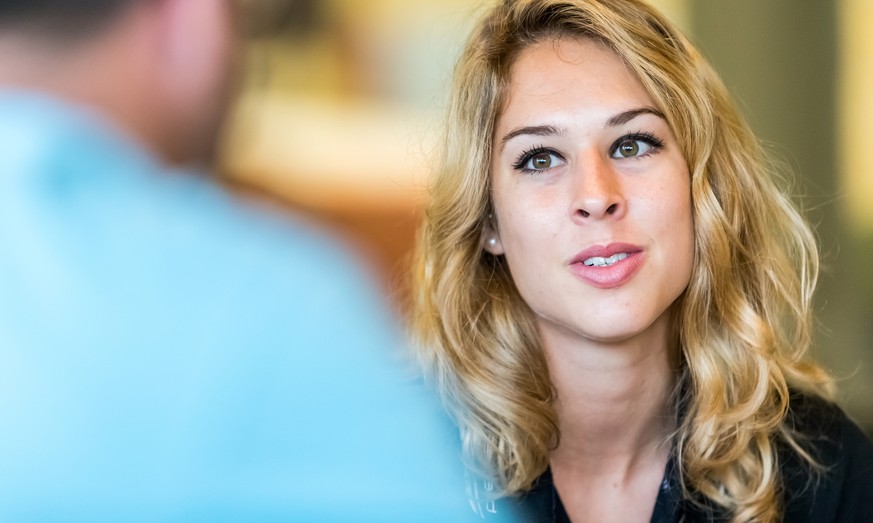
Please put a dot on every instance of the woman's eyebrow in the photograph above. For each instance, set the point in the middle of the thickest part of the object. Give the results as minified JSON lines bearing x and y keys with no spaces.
{"x":550,"y":130}
{"x":626,"y":116}
{"x":534,"y":130}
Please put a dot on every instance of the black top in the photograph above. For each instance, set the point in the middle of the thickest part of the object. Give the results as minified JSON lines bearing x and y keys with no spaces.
{"x":842,"y":493}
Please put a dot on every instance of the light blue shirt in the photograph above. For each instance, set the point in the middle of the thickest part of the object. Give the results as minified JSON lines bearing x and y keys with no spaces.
{"x":166,"y":355}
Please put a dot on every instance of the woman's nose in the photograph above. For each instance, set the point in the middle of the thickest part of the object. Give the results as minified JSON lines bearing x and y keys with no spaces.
{"x":597,"y":191}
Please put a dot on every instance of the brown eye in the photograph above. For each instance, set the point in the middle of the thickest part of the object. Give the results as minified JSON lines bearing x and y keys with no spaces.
{"x":541,"y":161}
{"x":628,"y":148}
{"x":634,"y":146}
{"x":538,"y":160}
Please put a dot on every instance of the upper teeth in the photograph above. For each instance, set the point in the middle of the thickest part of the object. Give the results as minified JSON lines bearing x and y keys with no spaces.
{"x":597,"y":261}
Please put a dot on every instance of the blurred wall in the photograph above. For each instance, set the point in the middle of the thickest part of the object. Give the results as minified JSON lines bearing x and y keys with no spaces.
{"x":853,"y":317}
{"x":786,"y":61}
{"x":343,"y":99}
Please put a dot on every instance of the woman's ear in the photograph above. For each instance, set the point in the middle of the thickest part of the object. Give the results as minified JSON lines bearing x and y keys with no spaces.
{"x":491,"y":238}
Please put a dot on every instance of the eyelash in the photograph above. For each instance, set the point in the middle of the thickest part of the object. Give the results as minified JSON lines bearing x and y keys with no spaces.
{"x":643,"y":136}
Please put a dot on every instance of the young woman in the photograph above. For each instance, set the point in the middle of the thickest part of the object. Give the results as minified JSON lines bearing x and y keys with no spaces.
{"x":612,"y":291}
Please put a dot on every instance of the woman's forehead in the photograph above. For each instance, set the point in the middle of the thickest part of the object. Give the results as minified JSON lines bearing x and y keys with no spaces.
{"x":572,"y":77}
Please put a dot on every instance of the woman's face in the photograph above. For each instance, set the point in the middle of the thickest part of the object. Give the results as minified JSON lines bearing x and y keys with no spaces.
{"x":591,"y":195}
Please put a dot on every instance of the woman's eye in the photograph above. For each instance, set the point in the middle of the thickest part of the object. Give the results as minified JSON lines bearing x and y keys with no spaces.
{"x":539,"y":161}
{"x":630,"y":148}
{"x":635,"y":145}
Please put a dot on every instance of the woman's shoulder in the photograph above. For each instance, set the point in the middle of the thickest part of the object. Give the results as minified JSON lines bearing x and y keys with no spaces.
{"x":824,"y":427}
{"x":841,"y":488}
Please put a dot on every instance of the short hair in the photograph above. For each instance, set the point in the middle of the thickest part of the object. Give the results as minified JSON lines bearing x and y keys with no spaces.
{"x":744,"y":322}
{"x":59,"y":19}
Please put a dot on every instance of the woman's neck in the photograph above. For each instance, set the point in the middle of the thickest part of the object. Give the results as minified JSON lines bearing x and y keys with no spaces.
{"x":613,"y":399}
{"x":615,"y":420}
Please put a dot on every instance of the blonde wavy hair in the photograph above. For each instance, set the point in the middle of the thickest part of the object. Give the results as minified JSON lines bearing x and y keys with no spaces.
{"x":744,"y":322}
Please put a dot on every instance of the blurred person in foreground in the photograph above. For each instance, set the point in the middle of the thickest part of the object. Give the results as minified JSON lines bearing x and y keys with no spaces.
{"x":165,"y":354}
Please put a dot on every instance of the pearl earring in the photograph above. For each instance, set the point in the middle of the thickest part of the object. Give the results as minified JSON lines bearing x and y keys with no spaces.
{"x":492,"y":242}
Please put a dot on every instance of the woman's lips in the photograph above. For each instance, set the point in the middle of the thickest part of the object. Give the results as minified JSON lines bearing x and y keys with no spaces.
{"x":609,"y":266}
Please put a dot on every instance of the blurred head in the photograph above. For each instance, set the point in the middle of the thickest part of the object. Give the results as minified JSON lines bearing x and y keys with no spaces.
{"x":59,"y":20}
{"x":742,"y":321}
{"x":162,"y":69}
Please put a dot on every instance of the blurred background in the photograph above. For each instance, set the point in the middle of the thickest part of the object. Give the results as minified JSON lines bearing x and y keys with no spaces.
{"x":342,"y":102}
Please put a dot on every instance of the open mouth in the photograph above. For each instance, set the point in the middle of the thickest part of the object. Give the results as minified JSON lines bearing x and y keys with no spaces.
{"x":598,"y":261}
